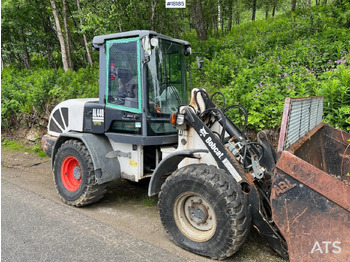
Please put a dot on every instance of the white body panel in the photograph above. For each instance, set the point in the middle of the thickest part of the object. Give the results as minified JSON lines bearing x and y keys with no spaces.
{"x":75,"y":115}
{"x":193,"y":141}
{"x":131,"y":161}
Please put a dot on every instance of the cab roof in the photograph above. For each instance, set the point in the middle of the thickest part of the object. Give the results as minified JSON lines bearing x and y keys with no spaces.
{"x":101,"y":39}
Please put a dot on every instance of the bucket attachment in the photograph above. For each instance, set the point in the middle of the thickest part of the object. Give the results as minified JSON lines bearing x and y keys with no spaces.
{"x":310,"y":194}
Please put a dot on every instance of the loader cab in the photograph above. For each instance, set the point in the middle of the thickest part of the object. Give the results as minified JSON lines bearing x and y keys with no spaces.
{"x":142,"y":81}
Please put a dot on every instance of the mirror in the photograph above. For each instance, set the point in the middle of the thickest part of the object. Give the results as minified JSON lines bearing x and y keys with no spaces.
{"x":199,"y":63}
{"x":188,"y":50}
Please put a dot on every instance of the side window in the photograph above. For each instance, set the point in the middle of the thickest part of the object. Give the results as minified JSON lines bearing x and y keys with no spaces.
{"x":123,"y":72}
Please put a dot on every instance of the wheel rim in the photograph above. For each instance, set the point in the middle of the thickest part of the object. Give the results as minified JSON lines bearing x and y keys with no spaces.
{"x":195,"y":217}
{"x":71,"y":173}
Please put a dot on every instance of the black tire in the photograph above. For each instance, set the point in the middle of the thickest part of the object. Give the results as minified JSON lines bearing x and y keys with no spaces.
{"x":74,"y":175}
{"x":206,"y":192}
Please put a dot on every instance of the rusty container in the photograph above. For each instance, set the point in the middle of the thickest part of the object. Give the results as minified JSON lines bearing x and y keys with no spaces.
{"x":310,"y":194}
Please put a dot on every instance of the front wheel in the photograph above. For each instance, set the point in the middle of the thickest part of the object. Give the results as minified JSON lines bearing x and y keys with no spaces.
{"x":74,"y":175}
{"x":204,"y":210}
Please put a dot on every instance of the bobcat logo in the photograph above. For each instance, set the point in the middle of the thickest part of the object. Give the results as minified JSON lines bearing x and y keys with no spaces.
{"x":202,"y":132}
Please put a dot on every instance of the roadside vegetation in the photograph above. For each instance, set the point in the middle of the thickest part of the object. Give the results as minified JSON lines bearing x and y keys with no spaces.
{"x":298,"y":54}
{"x":23,"y":146}
{"x":256,"y":64}
{"x":28,"y":96}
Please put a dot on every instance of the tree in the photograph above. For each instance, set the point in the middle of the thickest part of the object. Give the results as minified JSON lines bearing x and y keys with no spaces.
{"x":34,"y":30}
{"x":153,"y":8}
{"x":230,"y":14}
{"x":267,"y":7}
{"x":84,"y":35}
{"x":67,"y":39}
{"x":309,"y":3}
{"x":274,"y":6}
{"x":26,"y":32}
{"x":196,"y":13}
{"x":253,"y":10}
{"x":60,"y":36}
{"x":237,"y":8}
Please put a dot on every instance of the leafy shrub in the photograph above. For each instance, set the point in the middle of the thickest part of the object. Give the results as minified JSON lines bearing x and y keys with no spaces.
{"x":259,"y":64}
{"x":27,"y":97}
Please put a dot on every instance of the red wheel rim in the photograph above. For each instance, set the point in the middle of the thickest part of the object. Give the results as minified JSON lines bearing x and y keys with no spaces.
{"x":71,"y":173}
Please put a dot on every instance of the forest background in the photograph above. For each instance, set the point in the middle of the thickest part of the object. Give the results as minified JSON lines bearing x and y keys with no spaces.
{"x":257,"y":52}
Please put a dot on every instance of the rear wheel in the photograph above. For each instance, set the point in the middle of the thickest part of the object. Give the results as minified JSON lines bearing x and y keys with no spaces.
{"x":204,"y":211}
{"x":74,"y":175}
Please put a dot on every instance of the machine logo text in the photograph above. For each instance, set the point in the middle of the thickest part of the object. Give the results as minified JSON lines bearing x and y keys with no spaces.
{"x":282,"y":187}
{"x":213,"y":146}
{"x":98,"y":115}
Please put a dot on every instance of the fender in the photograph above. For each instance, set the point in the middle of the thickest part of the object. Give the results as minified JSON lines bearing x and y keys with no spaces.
{"x":106,"y":169}
{"x":168,"y":165}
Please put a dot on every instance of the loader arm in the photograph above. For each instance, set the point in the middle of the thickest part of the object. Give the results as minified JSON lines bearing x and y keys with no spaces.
{"x":239,"y":157}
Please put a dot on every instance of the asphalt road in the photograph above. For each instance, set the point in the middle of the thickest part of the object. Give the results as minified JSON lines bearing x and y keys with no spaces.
{"x":124,"y":226}
{"x":37,"y":229}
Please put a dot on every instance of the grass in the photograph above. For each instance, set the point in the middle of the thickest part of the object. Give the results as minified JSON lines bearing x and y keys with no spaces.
{"x":135,"y":193}
{"x":149,"y":201}
{"x":7,"y":144}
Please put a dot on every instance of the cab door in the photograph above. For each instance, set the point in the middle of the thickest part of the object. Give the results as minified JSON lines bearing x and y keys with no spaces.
{"x":123,"y":91}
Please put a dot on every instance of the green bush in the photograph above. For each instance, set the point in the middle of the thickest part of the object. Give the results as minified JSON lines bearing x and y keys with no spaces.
{"x":27,"y":97}
{"x":259,"y":64}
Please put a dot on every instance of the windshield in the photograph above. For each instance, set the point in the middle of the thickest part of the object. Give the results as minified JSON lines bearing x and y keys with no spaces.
{"x":166,"y":84}
{"x":166,"y":78}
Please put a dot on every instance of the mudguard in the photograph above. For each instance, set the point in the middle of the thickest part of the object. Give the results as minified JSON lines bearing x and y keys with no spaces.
{"x":167,"y":166}
{"x":106,"y":169}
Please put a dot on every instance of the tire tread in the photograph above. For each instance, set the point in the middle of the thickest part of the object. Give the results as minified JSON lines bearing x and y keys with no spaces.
{"x":92,"y":192}
{"x":236,"y":203}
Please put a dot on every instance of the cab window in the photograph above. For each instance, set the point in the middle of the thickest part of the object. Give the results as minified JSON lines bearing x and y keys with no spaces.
{"x":123,"y":72}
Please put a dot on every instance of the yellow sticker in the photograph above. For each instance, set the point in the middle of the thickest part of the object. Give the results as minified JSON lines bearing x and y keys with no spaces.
{"x":133,"y":163}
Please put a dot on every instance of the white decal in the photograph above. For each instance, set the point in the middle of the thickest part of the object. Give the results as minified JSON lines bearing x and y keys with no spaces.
{"x":98,"y":115}
{"x":232,"y":170}
{"x":213,"y":146}
{"x":202,"y":132}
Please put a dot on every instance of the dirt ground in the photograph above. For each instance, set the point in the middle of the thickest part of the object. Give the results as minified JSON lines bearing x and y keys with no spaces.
{"x":125,"y":207}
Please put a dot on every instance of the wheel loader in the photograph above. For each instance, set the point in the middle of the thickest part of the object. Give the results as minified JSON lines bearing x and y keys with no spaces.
{"x":213,"y":182}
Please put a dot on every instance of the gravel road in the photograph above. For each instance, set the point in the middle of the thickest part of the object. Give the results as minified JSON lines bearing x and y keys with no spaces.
{"x":124,"y":226}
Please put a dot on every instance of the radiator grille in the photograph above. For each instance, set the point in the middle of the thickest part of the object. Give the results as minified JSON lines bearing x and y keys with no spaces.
{"x":304,"y":115}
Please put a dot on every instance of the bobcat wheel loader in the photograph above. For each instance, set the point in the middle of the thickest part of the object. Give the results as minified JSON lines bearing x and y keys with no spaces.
{"x":213,"y":182}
